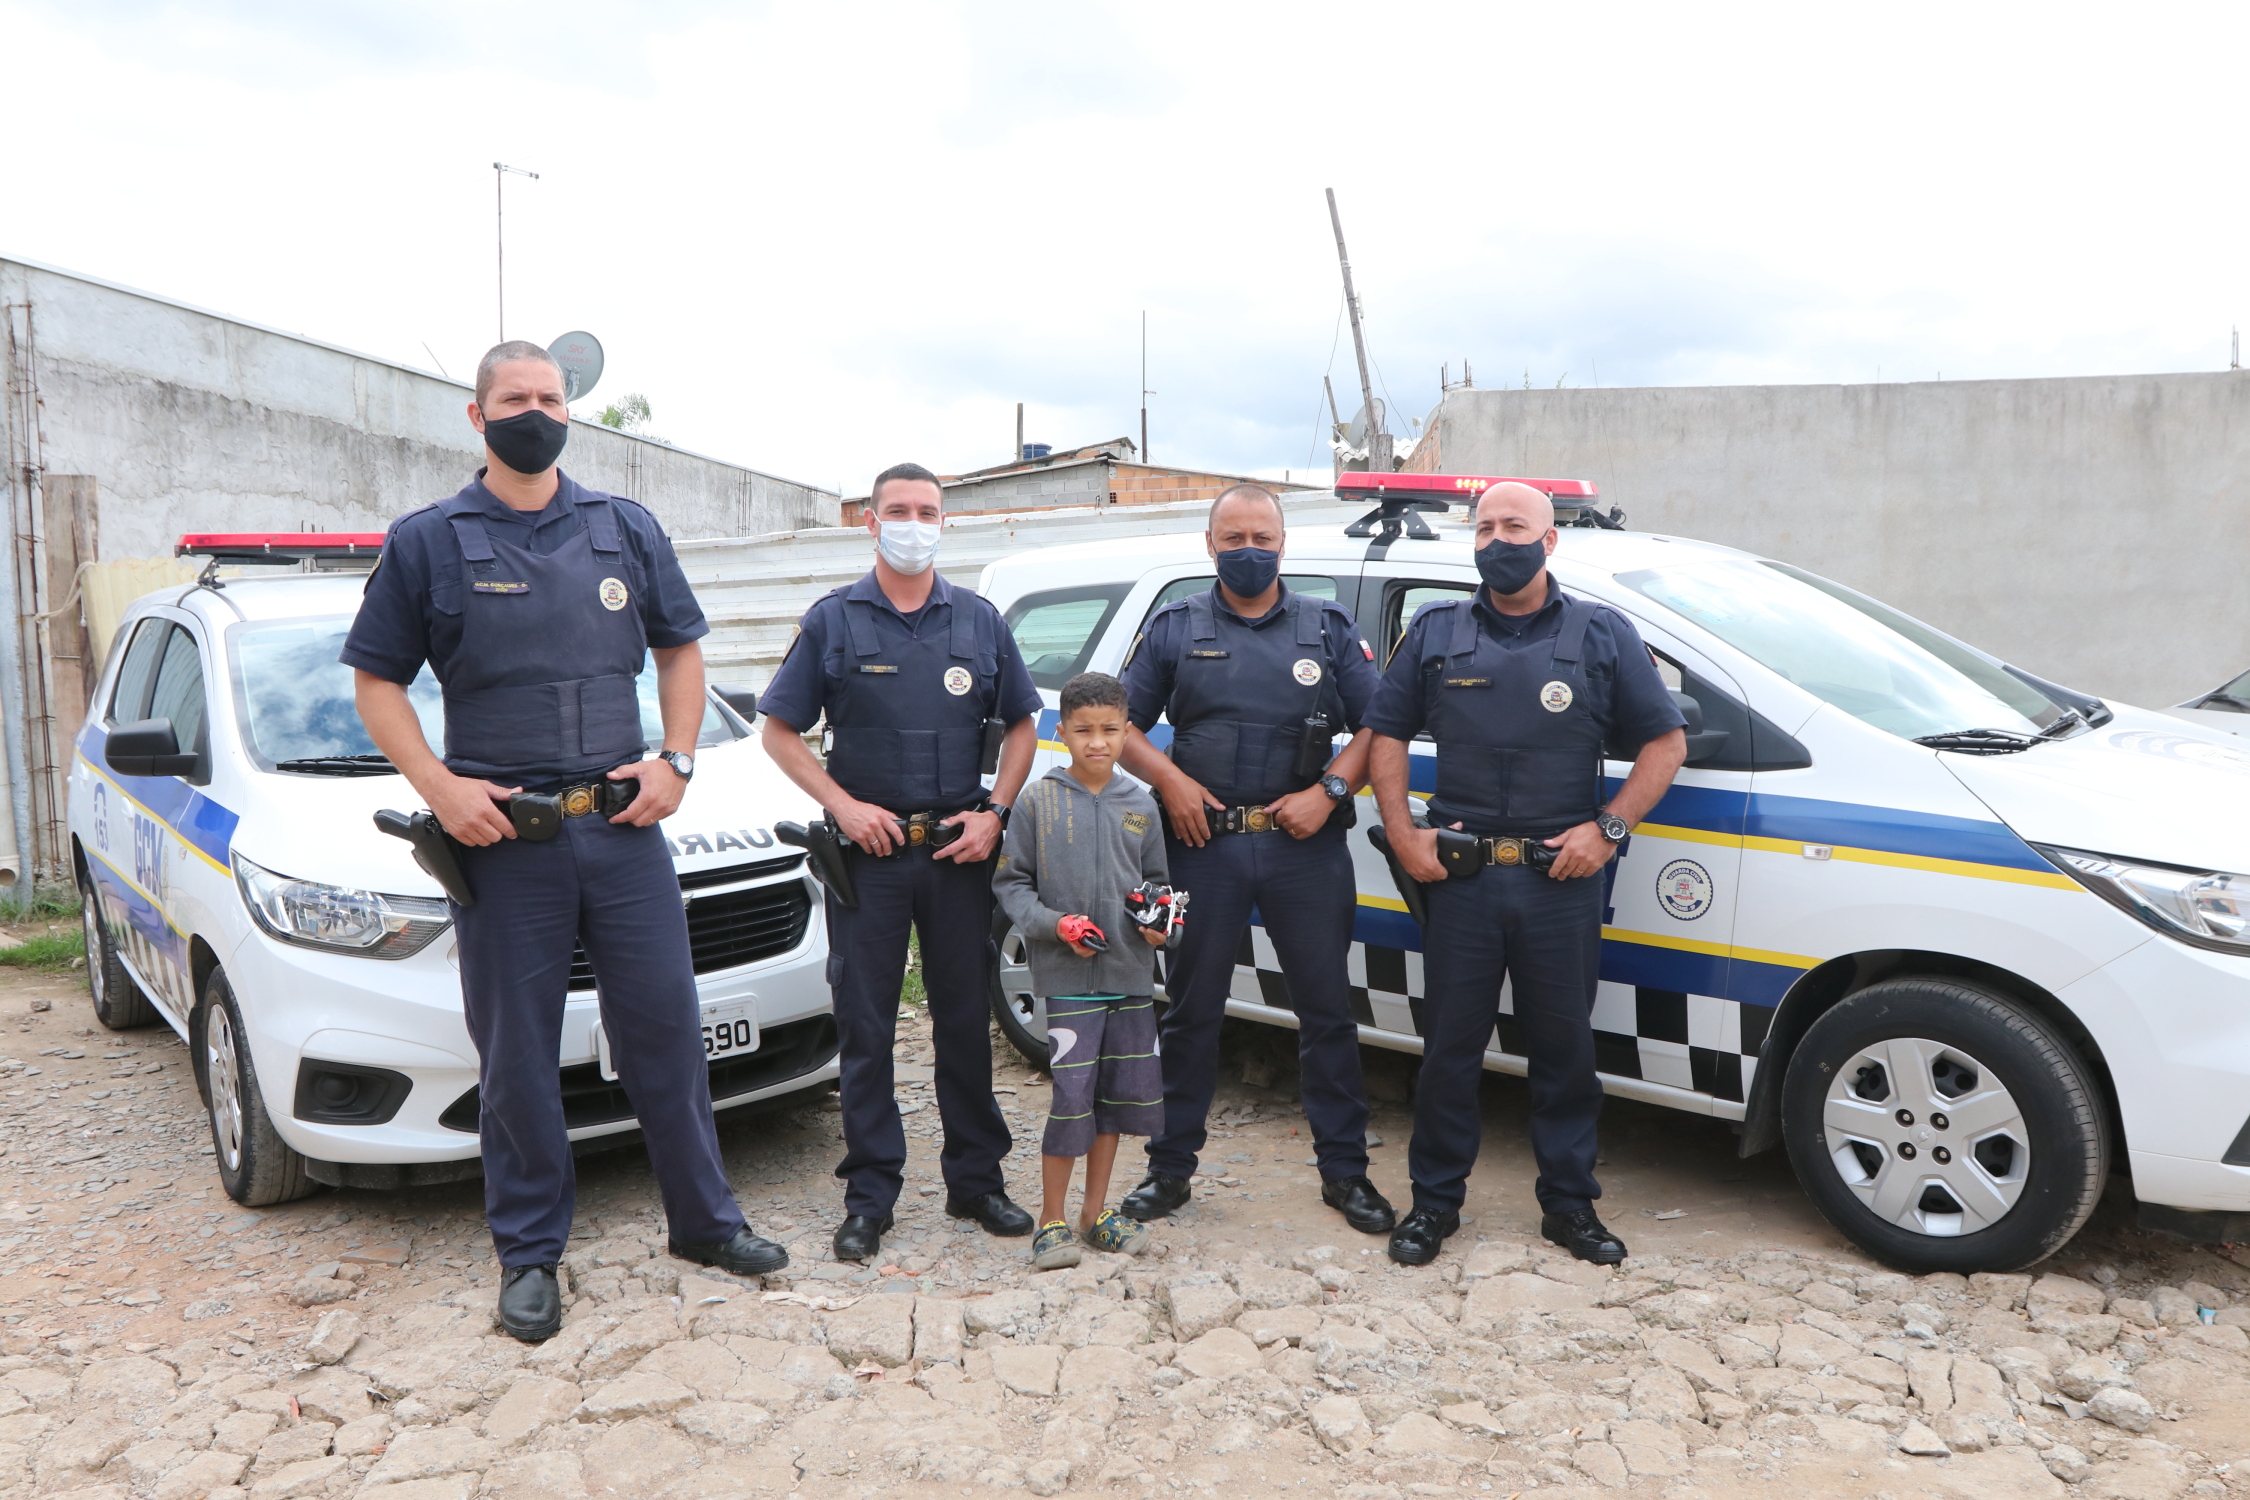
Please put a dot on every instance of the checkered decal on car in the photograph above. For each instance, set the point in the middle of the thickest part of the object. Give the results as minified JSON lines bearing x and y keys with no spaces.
{"x":1698,"y":1042}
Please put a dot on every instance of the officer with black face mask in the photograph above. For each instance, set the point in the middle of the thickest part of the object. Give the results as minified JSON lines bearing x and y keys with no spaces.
{"x":1521,"y":687}
{"x":534,"y":602}
{"x":1256,"y":680}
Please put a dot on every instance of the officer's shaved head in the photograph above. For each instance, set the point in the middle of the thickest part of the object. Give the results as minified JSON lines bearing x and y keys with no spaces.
{"x":1243,"y":494}
{"x":1513,"y":512}
{"x":507,"y":354}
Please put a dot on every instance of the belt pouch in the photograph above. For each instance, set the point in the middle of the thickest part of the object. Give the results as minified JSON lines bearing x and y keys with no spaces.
{"x":537,"y":816}
{"x":1462,"y":854}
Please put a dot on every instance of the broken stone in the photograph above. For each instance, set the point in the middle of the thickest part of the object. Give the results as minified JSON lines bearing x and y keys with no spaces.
{"x":2087,"y":1374}
{"x":306,"y":1478}
{"x":2055,"y":1292}
{"x":731,"y":1424}
{"x":1099,"y":1367}
{"x":1218,"y":1354}
{"x":1028,"y":1369}
{"x":1601,"y":1463}
{"x":2065,"y":1463}
{"x":938,"y":1331}
{"x":1340,"y":1424}
{"x":1267,"y":1287}
{"x":875,"y":1328}
{"x":333,"y":1337}
{"x":422,"y":1452}
{"x":637,"y":1393}
{"x":1284,"y":1324}
{"x":1338,"y":1347}
{"x":532,"y":1402}
{"x":1920,"y":1441}
{"x":2121,"y":1408}
{"x":1419,"y":1435}
{"x":1198,"y":1309}
{"x":629,"y":1342}
{"x":199,"y":1476}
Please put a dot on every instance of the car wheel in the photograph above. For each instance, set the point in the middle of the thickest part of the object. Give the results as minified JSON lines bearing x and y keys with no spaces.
{"x":1021,"y":1014}
{"x":119,"y":1003}
{"x":1941,"y":1127}
{"x":256,"y":1166}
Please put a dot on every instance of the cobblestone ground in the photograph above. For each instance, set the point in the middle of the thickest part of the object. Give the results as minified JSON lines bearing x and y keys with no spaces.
{"x":161,"y":1342}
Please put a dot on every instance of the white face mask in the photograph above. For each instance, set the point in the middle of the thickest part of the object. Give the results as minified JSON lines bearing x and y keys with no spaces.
{"x":908,"y":546}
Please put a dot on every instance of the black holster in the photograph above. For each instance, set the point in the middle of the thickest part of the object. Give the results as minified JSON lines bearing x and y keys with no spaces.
{"x":1409,"y":889}
{"x":434,"y":850}
{"x":824,"y":847}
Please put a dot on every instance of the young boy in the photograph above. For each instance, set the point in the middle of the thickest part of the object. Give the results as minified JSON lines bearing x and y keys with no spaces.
{"x":1080,"y":838}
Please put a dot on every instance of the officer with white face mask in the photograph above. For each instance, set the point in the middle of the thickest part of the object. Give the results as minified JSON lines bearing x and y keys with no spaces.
{"x":913,"y":675}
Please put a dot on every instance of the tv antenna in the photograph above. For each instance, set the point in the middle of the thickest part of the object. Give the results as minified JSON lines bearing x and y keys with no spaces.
{"x":1379,"y":458}
{"x":500,"y":171}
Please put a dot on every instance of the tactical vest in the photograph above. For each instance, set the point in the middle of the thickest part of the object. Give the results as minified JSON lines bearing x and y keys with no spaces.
{"x":1240,"y":698}
{"x":1518,"y":748}
{"x":907,"y":714}
{"x":550,"y":647}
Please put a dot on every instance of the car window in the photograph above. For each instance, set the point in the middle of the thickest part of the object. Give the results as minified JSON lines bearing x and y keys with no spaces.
{"x":295,"y":698}
{"x":1319,"y":585}
{"x":1847,"y":650}
{"x":178,"y":693}
{"x":1056,"y":631}
{"x":129,"y":703}
{"x":1402,"y":598}
{"x":1751,"y":743}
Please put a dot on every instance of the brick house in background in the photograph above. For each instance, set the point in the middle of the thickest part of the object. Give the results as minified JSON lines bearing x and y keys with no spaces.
{"x":1102,"y":474}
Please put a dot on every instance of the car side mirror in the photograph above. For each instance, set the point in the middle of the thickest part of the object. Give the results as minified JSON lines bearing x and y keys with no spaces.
{"x":1702,"y":744}
{"x":741,"y":700}
{"x":147,"y":747}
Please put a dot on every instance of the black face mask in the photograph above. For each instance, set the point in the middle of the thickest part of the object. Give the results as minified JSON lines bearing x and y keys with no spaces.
{"x":1509,"y":567}
{"x":528,"y":442}
{"x":1248,"y":571}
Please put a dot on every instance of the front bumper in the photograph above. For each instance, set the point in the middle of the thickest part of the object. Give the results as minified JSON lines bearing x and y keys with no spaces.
{"x":302,"y":1004}
{"x":2173,"y":1024}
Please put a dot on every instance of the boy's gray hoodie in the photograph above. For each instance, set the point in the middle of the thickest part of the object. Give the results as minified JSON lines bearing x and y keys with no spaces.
{"x":1067,"y":851}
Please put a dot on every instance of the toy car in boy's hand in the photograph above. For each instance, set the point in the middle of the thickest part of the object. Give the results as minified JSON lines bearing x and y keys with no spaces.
{"x":1158,"y":909}
{"x":1081,"y":933}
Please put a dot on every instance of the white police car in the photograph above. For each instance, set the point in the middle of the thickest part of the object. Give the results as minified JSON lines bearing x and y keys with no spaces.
{"x":235,"y":887}
{"x":1964,"y":940}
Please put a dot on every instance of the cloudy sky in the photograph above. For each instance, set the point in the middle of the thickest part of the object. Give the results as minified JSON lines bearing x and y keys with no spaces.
{"x":824,"y":238}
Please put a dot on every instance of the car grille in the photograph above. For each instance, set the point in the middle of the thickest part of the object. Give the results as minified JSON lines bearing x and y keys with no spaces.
{"x":733,"y":927}
{"x":784,"y":1052}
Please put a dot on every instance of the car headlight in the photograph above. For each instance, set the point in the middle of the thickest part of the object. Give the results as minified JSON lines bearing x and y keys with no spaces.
{"x":2208,"y":908}
{"x":337,"y":918}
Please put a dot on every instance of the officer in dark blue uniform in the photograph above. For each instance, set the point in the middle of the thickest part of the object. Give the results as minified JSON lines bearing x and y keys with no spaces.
{"x":913,"y":673}
{"x":1256,"y":680}
{"x":1522,"y":688}
{"x":535,"y":602}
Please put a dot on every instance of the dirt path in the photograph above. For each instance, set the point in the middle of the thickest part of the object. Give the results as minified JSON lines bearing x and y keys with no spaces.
{"x":160,"y":1341}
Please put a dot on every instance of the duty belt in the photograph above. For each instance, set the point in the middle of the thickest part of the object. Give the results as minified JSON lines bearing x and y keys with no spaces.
{"x":920,"y":830}
{"x":1515,"y":851}
{"x":606,"y":797}
{"x":1242,"y":820}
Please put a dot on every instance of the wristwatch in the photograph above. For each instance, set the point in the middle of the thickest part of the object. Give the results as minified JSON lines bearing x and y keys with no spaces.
{"x":1613,"y":827}
{"x":1335,"y":786}
{"x":1000,"y":810}
{"x":680,"y":761}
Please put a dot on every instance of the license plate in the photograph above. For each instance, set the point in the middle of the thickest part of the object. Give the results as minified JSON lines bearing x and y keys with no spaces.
{"x":730,"y":1027}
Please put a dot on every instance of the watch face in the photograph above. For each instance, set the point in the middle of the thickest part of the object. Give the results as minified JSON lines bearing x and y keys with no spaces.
{"x":684,"y":764}
{"x":1613,"y":828}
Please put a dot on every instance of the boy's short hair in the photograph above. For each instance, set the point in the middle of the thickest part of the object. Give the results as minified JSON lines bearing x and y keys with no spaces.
{"x":1091,"y":690}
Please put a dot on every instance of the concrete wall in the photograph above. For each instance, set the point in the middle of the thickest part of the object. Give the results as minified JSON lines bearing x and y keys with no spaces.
{"x":2092,"y":531}
{"x":191,"y":421}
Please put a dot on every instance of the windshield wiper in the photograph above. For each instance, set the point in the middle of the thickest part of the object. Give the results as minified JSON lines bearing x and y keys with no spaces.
{"x":1979,"y":741}
{"x":339,"y":765}
{"x":2068,"y":720}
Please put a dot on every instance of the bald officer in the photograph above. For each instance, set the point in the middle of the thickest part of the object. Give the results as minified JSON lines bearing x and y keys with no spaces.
{"x":1522,"y":687}
{"x":535,"y":602}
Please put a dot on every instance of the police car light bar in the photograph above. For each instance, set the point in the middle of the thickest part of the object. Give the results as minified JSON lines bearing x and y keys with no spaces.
{"x":1401,"y":497}
{"x":280,"y":546}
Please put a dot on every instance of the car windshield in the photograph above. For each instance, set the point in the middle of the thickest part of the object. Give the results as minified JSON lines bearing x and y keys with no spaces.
{"x":295,"y":697}
{"x":1844,"y":648}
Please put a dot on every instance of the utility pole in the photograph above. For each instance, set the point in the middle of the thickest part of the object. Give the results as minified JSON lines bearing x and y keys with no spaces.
{"x":1145,"y":391}
{"x":500,"y":171}
{"x":1019,"y":432}
{"x":1379,"y":459}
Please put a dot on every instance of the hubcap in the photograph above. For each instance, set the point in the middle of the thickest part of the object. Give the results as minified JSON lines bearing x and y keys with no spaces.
{"x":225,"y":1074}
{"x":1015,"y":985}
{"x":97,"y":975}
{"x":1927,"y":1137}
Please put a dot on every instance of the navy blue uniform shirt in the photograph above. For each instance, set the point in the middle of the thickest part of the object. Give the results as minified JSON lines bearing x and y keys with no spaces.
{"x":1626,"y":696}
{"x":1155,"y":658}
{"x":798,"y":694}
{"x":397,"y":629}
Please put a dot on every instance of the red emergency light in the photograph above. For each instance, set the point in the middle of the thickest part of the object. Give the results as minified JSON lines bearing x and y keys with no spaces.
{"x":278,"y":546}
{"x":1458,"y":487}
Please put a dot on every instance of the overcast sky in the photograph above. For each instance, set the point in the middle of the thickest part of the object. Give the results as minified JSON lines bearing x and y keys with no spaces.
{"x":821,"y":239}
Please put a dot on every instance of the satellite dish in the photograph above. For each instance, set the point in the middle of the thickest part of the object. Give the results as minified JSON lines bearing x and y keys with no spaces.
{"x":580,"y":355}
{"x":1356,"y":432}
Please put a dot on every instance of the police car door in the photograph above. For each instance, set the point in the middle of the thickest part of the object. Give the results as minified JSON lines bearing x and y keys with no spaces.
{"x":143,"y":825}
{"x":1669,"y":1010}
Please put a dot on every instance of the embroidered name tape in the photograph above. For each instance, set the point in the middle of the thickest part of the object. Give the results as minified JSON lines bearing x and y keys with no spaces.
{"x":501,"y":588}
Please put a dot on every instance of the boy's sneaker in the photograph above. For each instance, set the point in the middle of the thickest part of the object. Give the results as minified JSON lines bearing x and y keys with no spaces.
{"x":1118,"y":1235}
{"x":1054,"y":1247}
